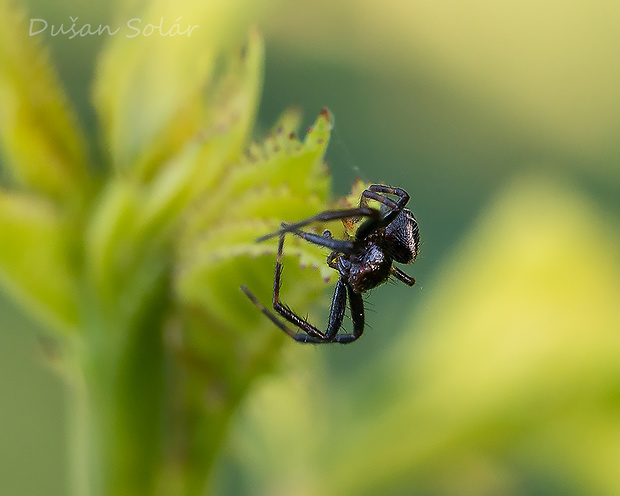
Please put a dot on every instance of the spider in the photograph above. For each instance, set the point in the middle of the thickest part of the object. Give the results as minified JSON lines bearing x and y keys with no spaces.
{"x":386,"y":236}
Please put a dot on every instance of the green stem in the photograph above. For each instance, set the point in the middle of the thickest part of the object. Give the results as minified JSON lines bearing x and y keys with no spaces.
{"x":121,"y":399}
{"x":145,"y":422}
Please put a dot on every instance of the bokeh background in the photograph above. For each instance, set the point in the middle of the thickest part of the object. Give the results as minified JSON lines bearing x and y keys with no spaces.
{"x":499,"y":372}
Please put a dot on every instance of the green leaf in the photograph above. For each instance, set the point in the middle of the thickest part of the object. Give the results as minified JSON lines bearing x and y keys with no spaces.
{"x":134,"y":222}
{"x":199,"y":166}
{"x":151,"y":90}
{"x":281,"y":162}
{"x":34,"y":263}
{"x":284,"y":180}
{"x":41,"y":142}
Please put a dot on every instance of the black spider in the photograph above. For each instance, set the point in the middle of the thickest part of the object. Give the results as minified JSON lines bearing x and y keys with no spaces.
{"x":386,"y":236}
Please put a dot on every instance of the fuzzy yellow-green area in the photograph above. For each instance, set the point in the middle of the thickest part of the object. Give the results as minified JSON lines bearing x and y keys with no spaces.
{"x":135,"y":271}
{"x":511,"y":366}
{"x":519,"y":348}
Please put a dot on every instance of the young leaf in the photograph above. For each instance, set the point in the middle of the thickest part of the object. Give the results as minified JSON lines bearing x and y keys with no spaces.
{"x":151,"y":90}
{"x":39,"y":137}
{"x":34,"y":263}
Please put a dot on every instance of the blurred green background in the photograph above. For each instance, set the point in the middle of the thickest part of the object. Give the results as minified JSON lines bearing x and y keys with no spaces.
{"x":499,"y":372}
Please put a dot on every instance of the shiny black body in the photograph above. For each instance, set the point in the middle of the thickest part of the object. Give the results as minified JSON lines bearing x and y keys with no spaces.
{"x":386,"y":236}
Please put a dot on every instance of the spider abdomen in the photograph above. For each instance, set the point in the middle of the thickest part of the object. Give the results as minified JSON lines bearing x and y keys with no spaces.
{"x":403,"y":237}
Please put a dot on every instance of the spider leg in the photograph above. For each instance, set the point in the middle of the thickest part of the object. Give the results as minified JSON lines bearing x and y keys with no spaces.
{"x":394,"y":208}
{"x":335,"y":316}
{"x":402,"y":277}
{"x":332,"y":260}
{"x":326,"y":216}
{"x":357,"y":316}
{"x":312,"y":334}
{"x":337,"y":245}
{"x":269,"y":315}
{"x":380,"y":188}
{"x":299,"y":337}
{"x":373,"y":193}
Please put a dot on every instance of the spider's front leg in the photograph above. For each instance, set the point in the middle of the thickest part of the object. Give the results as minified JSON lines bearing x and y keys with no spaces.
{"x":312,"y":334}
{"x":373,"y":193}
{"x":300,"y":337}
{"x":394,"y":207}
{"x":356,"y":304}
{"x":328,"y":215}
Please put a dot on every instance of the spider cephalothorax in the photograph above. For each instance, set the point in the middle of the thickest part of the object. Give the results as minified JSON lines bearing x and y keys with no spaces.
{"x":386,"y":236}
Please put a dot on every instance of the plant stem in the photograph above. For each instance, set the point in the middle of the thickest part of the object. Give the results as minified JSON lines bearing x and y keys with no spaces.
{"x":144,"y":422}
